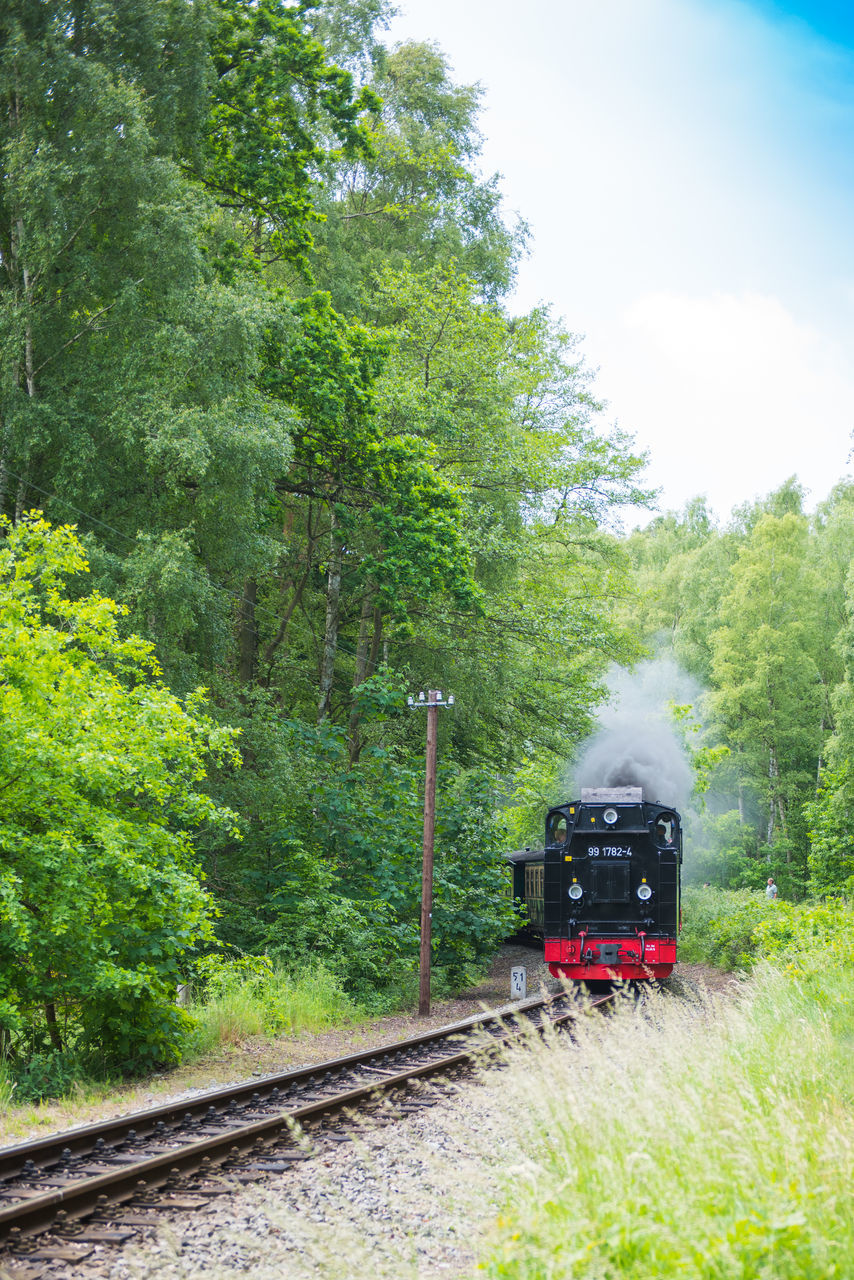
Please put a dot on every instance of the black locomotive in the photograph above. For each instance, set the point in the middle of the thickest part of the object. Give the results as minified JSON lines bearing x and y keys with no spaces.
{"x":604,"y":895}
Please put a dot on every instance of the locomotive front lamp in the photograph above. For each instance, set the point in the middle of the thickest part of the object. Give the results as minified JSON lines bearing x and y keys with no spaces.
{"x":644,"y":892}
{"x":575,"y":891}
{"x":610,"y":816}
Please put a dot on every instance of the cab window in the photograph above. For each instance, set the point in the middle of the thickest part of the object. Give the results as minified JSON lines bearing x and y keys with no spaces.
{"x":559,"y":828}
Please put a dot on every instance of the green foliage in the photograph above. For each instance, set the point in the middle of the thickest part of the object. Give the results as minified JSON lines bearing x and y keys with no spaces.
{"x":337,"y":879}
{"x":368,"y":827}
{"x":758,"y":613}
{"x":249,"y":996}
{"x":722,"y":851}
{"x":537,"y":781}
{"x":47,"y":1075}
{"x":274,"y":92}
{"x":830,"y":817}
{"x":767,"y":688}
{"x":401,"y":519}
{"x":307,"y":501}
{"x":8,"y":1085}
{"x":737,"y":930}
{"x":720,"y":926}
{"x":100,"y":770}
{"x":211,"y":974}
{"x":418,"y":197}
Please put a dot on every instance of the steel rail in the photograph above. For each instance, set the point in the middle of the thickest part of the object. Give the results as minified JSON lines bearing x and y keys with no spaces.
{"x":114,"y":1185}
{"x":81,"y":1198}
{"x":85,"y":1140}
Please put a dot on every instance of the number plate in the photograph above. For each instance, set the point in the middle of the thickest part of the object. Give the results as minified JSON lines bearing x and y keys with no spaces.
{"x":609,"y":851}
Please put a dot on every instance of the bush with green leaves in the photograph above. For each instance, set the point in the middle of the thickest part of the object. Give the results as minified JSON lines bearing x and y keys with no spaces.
{"x":736,"y":929}
{"x":808,"y":937}
{"x":329,"y":869}
{"x":719,"y":926}
{"x":101,"y":773}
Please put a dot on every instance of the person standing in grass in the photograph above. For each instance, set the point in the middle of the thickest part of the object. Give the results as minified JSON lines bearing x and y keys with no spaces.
{"x":771,"y":890}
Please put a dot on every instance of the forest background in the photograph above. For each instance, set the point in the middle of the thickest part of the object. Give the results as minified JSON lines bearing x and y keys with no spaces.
{"x":257,"y":350}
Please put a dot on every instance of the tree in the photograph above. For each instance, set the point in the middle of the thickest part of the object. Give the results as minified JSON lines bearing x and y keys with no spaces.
{"x":508,"y":408}
{"x":768,"y":693}
{"x":130,"y":359}
{"x":275,"y":100}
{"x":85,"y":202}
{"x":681,"y":565}
{"x":830,"y":817}
{"x":393,"y":523}
{"x":417,"y":197}
{"x":306,"y":497}
{"x":831,"y":812}
{"x":101,"y":770}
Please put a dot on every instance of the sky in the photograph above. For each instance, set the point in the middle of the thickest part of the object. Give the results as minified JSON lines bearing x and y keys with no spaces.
{"x":686,"y":168}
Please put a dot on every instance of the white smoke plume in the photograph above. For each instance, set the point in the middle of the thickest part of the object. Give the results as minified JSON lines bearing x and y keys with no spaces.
{"x":637,"y":743}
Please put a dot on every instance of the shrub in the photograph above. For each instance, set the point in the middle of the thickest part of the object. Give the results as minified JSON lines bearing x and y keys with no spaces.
{"x":100,"y":771}
{"x":736,"y":929}
{"x":719,"y":926}
{"x":808,"y":937}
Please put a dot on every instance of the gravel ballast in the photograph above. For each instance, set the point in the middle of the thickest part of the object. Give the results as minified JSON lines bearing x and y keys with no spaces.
{"x":406,"y":1199}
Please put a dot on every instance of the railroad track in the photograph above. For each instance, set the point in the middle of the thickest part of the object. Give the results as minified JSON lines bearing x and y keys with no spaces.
{"x":118,"y":1174}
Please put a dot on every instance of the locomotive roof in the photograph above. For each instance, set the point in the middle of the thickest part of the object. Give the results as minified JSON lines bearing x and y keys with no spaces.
{"x":612,"y":795}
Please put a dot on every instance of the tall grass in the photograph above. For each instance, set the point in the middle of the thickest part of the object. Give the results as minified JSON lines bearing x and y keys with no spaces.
{"x":273,"y":1002}
{"x":7,"y":1085}
{"x":713,"y":1143}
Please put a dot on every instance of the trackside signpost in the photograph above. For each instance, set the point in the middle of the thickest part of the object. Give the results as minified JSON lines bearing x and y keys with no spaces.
{"x":431,"y":705}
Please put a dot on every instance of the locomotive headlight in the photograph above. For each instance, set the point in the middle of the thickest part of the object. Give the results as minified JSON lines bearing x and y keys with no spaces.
{"x":644,"y":892}
{"x":610,"y":816}
{"x":575,"y":891}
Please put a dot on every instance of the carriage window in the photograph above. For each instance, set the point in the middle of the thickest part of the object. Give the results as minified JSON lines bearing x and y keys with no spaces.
{"x":534,"y":881}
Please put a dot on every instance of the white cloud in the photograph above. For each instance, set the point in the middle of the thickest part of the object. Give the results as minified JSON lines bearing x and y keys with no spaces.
{"x":733,"y":394}
{"x":686,"y":169}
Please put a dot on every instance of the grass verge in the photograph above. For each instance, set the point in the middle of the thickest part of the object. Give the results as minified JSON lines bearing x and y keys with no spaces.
{"x":717,"y":1146}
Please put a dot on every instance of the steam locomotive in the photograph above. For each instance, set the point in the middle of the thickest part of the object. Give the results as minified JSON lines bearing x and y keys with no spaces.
{"x":604,"y":895}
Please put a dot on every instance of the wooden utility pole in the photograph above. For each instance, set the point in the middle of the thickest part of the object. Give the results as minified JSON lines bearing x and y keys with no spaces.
{"x":427,"y":852}
{"x":432,"y":704}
